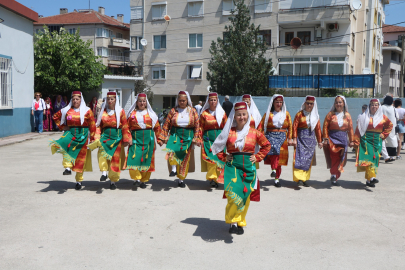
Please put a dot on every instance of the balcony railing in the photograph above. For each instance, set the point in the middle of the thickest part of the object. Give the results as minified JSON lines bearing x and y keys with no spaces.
{"x":120,"y":42}
{"x":118,"y":58}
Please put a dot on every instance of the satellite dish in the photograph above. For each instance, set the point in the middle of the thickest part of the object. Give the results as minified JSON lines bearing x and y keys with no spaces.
{"x":167,"y":18}
{"x":356,"y":4}
{"x":274,"y":71}
{"x":209,"y":88}
{"x":144,"y":42}
{"x":296,"y":43}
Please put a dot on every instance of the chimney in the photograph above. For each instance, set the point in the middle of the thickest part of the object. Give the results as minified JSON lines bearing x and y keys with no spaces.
{"x":40,"y":16}
{"x":112,"y":16}
{"x":63,"y":10}
{"x":120,"y":18}
{"x":101,"y":10}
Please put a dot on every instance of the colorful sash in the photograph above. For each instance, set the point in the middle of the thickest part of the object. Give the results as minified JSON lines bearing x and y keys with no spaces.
{"x":369,"y":150}
{"x":276,"y":140}
{"x":179,"y":142}
{"x":209,"y":138}
{"x":71,"y":142}
{"x":239,"y":179}
{"x":306,"y":144}
{"x":141,"y":151}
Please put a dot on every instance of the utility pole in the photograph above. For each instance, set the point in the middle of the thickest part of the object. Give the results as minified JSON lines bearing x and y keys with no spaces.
{"x":401,"y":77}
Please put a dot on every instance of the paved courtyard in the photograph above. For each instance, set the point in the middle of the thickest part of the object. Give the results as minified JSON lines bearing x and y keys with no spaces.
{"x":47,"y":224}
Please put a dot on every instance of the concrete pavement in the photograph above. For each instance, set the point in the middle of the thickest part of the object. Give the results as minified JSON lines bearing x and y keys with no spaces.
{"x":46,"y":224}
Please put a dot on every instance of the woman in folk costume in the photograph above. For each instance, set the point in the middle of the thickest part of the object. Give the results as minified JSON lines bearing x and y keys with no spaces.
{"x":48,"y":112}
{"x":78,"y":122}
{"x":240,"y":177}
{"x":306,"y":135}
{"x":276,"y":125}
{"x":212,"y":121}
{"x":372,"y":128}
{"x":111,"y":137}
{"x":255,"y":116}
{"x":336,"y":127}
{"x":179,"y":132}
{"x":144,"y":125}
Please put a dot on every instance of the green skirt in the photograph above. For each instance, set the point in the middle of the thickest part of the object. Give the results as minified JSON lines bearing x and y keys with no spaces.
{"x":209,"y":138}
{"x":71,"y":142}
{"x":109,"y":141}
{"x":179,"y":142}
{"x":239,"y":179}
{"x":141,"y":151}
{"x":370,"y":149}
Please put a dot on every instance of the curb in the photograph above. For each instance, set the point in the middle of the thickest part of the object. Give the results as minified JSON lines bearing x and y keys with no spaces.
{"x":18,"y":140}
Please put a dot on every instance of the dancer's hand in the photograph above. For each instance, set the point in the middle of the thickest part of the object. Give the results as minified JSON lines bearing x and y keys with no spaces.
{"x":229,"y":158}
{"x":252,"y":158}
{"x":325,"y":142}
{"x":351,"y":144}
{"x":294,"y":142}
{"x":382,"y":136}
{"x":290,"y":142}
{"x":320,"y":145}
{"x":160,"y":143}
{"x":198,"y":143}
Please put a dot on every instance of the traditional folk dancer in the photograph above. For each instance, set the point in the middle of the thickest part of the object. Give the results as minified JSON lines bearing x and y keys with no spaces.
{"x":78,"y":122}
{"x":372,"y":128}
{"x":112,"y":136}
{"x":179,"y":132}
{"x":240,"y":177}
{"x":276,"y":125}
{"x":255,"y":116}
{"x":144,"y":125}
{"x":306,"y":134}
{"x":336,"y":127}
{"x":212,"y":121}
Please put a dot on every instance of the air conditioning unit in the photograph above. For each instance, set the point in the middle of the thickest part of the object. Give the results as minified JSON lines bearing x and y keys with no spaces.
{"x":318,"y":32}
{"x":332,"y":27}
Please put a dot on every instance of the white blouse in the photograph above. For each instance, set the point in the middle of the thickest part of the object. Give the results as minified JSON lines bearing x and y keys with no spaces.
{"x":140,"y":119}
{"x":183,"y":117}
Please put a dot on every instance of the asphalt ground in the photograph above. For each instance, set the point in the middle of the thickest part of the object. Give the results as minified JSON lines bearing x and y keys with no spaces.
{"x":47,"y":224}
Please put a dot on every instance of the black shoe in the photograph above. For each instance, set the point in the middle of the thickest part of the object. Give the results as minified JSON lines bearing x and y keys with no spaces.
{"x":103,"y":178}
{"x":335,"y":183}
{"x":240,"y":230}
{"x":182,"y":185}
{"x":333,"y":179}
{"x":375,"y":181}
{"x":143,"y":185}
{"x":113,"y":186}
{"x":78,"y":186}
{"x":172,"y":174}
{"x":389,"y":160}
{"x":137,"y":183}
{"x":233,"y":230}
{"x":67,"y":172}
{"x":370,"y":184}
{"x":214,"y":184}
{"x":300,"y":183}
{"x":305,"y":184}
{"x":273,"y":174}
{"x":277,"y":184}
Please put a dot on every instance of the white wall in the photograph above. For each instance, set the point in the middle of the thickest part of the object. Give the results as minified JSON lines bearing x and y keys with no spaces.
{"x":16,"y":40}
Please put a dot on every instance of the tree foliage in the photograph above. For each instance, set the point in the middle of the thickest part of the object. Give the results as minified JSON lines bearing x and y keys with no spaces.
{"x":238,"y":64}
{"x":65,"y":63}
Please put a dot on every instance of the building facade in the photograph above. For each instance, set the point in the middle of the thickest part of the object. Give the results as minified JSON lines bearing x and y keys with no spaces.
{"x":16,"y":67}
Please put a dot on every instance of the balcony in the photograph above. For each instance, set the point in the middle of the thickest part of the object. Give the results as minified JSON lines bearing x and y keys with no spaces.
{"x":119,"y":43}
{"x":314,"y":14}
{"x":118,"y":58}
{"x":315,"y":49}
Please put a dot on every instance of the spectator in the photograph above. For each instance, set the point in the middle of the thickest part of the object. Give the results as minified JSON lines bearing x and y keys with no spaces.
{"x":390,"y":144}
{"x":401,"y":119}
{"x":227,"y":106}
{"x":65,"y":99}
{"x":93,"y":107}
{"x":198,"y":107}
{"x":363,"y":110}
{"x":48,"y":112}
{"x":58,"y":105}
{"x":37,"y":110}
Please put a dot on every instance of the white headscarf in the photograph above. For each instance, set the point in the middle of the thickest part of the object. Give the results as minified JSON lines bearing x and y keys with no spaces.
{"x":340,"y":115}
{"x":280,"y":115}
{"x":151,"y":113}
{"x":220,"y":142}
{"x":219,"y":111}
{"x":117,"y":110}
{"x":83,"y":110}
{"x":364,"y":119}
{"x":314,"y":113}
{"x":189,"y":103}
{"x":254,"y":111}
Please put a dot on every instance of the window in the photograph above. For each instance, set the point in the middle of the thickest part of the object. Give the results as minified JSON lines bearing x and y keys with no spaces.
{"x":393,"y":56}
{"x":195,"y":8}
{"x":159,"y":10}
{"x":136,"y":43}
{"x":364,"y":47}
{"x":227,"y":7}
{"x":72,"y":31}
{"x":159,"y":73}
{"x":102,"y":51}
{"x":159,"y":42}
{"x":54,"y":28}
{"x":336,"y":69}
{"x":119,"y":35}
{"x":378,"y":43}
{"x":262,"y":6}
{"x":136,"y":13}
{"x":287,"y":69}
{"x":265,"y":36}
{"x":195,"y":40}
{"x":39,"y":31}
{"x":353,"y":41}
{"x":194,"y":71}
{"x":305,"y":37}
{"x":301,"y":69}
{"x":5,"y":82}
{"x":392,"y":74}
{"x":169,"y":102}
{"x":377,"y":66}
{"x":288,"y":37}
{"x":318,"y":69}
{"x":103,"y":32}
{"x":379,"y":19}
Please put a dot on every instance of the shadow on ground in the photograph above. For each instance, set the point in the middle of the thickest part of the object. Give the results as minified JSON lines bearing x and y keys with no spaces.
{"x":210,"y":230}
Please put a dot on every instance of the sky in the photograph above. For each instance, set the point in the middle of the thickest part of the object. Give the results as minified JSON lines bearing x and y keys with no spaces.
{"x":393,"y":12}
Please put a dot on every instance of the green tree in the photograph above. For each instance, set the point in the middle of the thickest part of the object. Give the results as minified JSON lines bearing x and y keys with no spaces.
{"x":65,"y":63}
{"x":238,"y":64}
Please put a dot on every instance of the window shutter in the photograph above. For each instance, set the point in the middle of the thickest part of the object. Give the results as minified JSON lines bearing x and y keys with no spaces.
{"x":226,"y":7}
{"x":200,"y":7}
{"x":136,"y":13}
